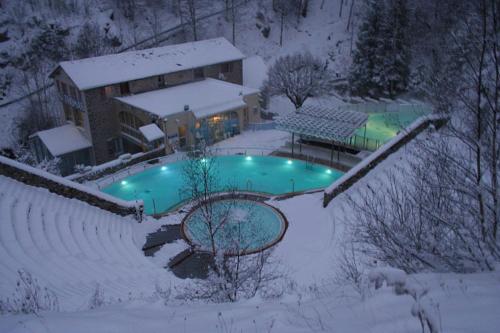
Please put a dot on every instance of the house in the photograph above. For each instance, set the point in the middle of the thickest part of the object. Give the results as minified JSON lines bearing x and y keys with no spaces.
{"x":176,"y":97}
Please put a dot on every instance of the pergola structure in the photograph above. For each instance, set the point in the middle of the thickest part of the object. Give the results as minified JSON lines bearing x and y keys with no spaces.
{"x":323,"y":123}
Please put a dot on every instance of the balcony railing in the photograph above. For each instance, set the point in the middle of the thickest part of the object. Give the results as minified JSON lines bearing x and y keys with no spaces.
{"x":132,"y":132}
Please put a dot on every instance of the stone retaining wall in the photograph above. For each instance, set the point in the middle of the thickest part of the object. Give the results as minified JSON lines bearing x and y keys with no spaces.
{"x":438,"y":123}
{"x":29,"y":178}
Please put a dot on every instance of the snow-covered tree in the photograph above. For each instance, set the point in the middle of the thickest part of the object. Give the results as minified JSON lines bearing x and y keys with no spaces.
{"x":365,"y":75}
{"x":298,"y":77}
{"x":442,"y":211}
{"x":91,"y":42}
{"x":288,"y":9}
{"x":190,"y":11}
{"x":397,"y":62}
{"x":382,"y":57}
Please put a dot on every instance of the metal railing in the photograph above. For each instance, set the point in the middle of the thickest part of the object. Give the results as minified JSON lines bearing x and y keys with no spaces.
{"x":261,"y":126}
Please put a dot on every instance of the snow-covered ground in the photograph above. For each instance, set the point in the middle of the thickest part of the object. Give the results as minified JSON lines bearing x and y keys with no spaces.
{"x":70,"y":247}
{"x":309,"y":253}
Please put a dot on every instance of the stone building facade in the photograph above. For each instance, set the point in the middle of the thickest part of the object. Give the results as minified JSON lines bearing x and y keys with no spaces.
{"x":95,"y":97}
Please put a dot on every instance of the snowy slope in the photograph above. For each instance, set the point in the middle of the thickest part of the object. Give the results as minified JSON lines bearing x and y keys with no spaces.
{"x":309,"y":252}
{"x":69,"y":246}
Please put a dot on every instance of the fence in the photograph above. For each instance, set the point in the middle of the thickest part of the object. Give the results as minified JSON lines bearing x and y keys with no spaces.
{"x":389,"y":106}
{"x":261,"y":126}
{"x":362,"y":143}
{"x":360,"y":170}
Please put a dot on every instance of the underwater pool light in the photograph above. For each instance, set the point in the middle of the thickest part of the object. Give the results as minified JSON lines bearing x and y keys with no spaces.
{"x":328,"y":171}
{"x":163,"y":168}
{"x":289,"y":161}
{"x":248,"y":158}
{"x":203,"y":160}
{"x":124,"y":182}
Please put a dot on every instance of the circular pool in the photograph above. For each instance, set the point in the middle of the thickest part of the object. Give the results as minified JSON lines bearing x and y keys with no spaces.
{"x":238,"y":226}
{"x":163,"y":187}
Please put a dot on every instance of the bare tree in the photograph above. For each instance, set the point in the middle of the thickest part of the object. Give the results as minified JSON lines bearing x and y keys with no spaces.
{"x":153,"y":20}
{"x":424,"y":216}
{"x":223,"y":224}
{"x":283,"y":8}
{"x":128,"y":8}
{"x":42,"y":110}
{"x":29,"y":297}
{"x":298,"y":77}
{"x":203,"y":184}
{"x":91,"y":42}
{"x":442,"y":211}
{"x":350,"y":19}
{"x":189,"y":11}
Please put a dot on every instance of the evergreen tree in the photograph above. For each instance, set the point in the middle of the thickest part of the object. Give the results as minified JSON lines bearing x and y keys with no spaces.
{"x":366,"y":69}
{"x":397,"y":61}
{"x":382,"y":57}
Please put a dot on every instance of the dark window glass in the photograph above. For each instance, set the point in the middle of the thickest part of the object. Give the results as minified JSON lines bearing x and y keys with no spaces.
{"x":227,"y":67}
{"x":198,"y":73}
{"x":124,"y":88}
{"x":161,"y":81}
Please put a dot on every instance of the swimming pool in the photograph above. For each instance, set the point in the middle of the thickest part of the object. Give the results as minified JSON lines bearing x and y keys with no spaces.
{"x":248,"y":227}
{"x":163,"y":188}
{"x":383,"y":126}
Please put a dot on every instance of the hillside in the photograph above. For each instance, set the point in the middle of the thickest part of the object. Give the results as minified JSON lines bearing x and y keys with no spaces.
{"x":322,"y":32}
{"x":357,"y":190}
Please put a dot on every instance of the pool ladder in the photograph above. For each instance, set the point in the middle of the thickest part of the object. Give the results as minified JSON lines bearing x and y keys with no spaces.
{"x":293,"y":184}
{"x":249,"y":185}
{"x":309,"y":162}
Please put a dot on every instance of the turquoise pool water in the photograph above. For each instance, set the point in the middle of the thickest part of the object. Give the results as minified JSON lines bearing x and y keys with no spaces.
{"x":248,"y":227}
{"x":383,"y":126}
{"x":162,"y":187}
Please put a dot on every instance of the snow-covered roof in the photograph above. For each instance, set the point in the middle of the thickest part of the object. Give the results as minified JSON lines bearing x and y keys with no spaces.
{"x":204,"y":98}
{"x":356,"y":119}
{"x":151,"y":132}
{"x":254,"y":72}
{"x":63,"y":139}
{"x":322,"y":123}
{"x":110,"y":69}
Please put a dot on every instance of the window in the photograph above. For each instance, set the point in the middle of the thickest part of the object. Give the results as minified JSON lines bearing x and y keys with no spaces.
{"x":106,"y":92}
{"x":161,"y":81}
{"x":227,"y":67}
{"x":124,"y":88}
{"x":182,"y":130}
{"x":130,"y":120}
{"x":68,"y":114}
{"x":198,"y":73}
{"x":64,"y":88}
{"x":78,"y":118}
{"x":114,"y":146}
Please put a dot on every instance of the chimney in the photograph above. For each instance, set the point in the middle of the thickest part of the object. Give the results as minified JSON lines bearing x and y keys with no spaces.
{"x":186,"y":107}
